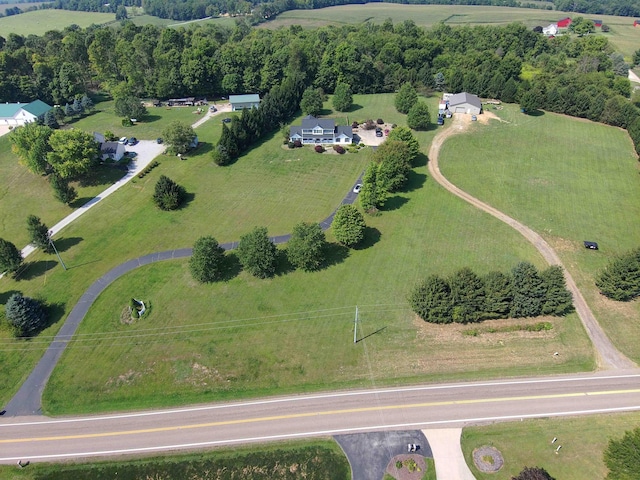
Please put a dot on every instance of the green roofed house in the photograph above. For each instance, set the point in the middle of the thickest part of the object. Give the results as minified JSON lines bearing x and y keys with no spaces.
{"x":240,"y":102}
{"x":17,"y":114}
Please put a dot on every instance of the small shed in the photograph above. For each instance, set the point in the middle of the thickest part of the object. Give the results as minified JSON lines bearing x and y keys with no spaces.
{"x":590,"y":245}
{"x":597,"y":23}
{"x":240,"y":102}
{"x":550,"y":30}
{"x":564,"y":22}
{"x":465,"y":103}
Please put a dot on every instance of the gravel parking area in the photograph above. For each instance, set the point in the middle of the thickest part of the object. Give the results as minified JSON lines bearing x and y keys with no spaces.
{"x":368,"y":137}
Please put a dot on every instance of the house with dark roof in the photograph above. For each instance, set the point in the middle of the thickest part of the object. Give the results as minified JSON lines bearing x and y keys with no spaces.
{"x":17,"y":114}
{"x":240,"y":102}
{"x":318,"y":131}
{"x":465,"y":103}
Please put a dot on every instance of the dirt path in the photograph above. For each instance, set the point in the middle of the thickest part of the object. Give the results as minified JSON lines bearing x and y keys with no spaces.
{"x":606,"y":354}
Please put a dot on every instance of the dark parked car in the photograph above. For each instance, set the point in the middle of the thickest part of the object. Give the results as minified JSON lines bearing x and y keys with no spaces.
{"x":226,"y":120}
{"x":378,"y":133}
{"x":440,"y":121}
{"x":159,"y":140}
{"x":133,"y":141}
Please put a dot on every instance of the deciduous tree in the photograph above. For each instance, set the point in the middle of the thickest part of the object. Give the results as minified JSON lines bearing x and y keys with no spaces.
{"x":404,"y":134}
{"x":31,"y":144}
{"x":342,"y":97}
{"x":207,"y":261}
{"x":73,"y":152}
{"x":257,"y":253}
{"x":25,"y":315}
{"x":533,"y":473}
{"x":62,"y":191}
{"x":393,"y":157}
{"x":39,"y":234}
{"x":348,"y":225}
{"x":373,"y":193}
{"x":306,"y":247}
{"x":311,"y":103}
{"x":129,"y":106}
{"x":179,"y":135}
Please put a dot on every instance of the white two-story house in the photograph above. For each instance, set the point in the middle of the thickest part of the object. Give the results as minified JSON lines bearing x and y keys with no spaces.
{"x":318,"y":131}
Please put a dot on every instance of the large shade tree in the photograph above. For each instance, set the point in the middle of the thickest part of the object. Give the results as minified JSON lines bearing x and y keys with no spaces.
{"x":179,"y":136}
{"x":73,"y":153}
{"x":306,"y":247}
{"x":405,"y":98}
{"x":342,"y":97}
{"x":207,"y":263}
{"x":257,"y":253}
{"x":348,"y":225}
{"x":31,"y":144}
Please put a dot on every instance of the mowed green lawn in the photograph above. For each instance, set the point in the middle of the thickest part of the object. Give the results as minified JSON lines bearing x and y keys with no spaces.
{"x":528,"y":444}
{"x":247,"y":337}
{"x":570,"y":180}
{"x":40,"y":21}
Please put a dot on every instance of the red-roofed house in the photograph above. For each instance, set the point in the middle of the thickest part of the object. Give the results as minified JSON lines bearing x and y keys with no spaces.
{"x":564,"y":23}
{"x":597,"y":23}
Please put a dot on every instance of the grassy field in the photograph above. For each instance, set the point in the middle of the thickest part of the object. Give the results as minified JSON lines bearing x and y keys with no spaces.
{"x":523,"y":167}
{"x":622,"y":35}
{"x":40,"y":21}
{"x":296,"y":326}
{"x":314,"y":459}
{"x":528,"y":443}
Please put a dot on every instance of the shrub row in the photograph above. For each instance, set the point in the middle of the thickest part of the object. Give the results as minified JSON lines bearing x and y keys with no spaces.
{"x":536,"y":327}
{"x":465,"y":297}
{"x":148,"y":168}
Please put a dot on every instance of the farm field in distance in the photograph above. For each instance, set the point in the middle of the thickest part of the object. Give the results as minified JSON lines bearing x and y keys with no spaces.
{"x":588,"y":194}
{"x":528,"y":443}
{"x":623,"y":35}
{"x":40,"y":21}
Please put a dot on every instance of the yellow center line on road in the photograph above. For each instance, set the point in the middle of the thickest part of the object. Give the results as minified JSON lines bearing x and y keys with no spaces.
{"x":312,"y":414}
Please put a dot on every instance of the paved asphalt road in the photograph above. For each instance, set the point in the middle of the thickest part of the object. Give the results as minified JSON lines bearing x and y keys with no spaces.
{"x":316,"y":415}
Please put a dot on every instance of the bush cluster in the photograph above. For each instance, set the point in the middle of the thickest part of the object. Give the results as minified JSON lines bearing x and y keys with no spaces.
{"x":168,"y":194}
{"x":148,"y":168}
{"x":319,"y":148}
{"x":620,"y":280}
{"x":466,"y":297}
{"x":339,"y":149}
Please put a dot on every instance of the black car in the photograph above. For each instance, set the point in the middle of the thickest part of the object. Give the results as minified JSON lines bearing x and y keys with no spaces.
{"x":133,"y":141}
{"x":159,"y":140}
{"x":378,"y":133}
{"x":226,"y":120}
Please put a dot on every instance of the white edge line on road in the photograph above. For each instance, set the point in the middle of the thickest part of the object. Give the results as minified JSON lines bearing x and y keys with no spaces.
{"x":317,"y":397}
{"x":318,"y":433}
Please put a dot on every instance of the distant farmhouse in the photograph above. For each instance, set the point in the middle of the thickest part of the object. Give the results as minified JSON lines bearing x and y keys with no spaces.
{"x":550,"y":30}
{"x":564,"y":22}
{"x":463,"y":103}
{"x":17,"y":114}
{"x":240,"y":102}
{"x":109,"y":150}
{"x":317,"y":131}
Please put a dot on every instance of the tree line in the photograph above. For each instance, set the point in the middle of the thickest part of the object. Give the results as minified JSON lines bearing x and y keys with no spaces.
{"x":466,"y":297}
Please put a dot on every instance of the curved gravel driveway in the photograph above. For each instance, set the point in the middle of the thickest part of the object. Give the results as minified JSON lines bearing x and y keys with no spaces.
{"x":608,"y":356}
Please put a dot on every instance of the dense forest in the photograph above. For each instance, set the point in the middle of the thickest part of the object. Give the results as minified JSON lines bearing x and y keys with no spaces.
{"x":579,"y":76}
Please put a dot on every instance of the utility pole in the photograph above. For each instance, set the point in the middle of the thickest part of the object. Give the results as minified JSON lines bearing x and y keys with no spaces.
{"x":56,"y":250}
{"x":355,"y":327}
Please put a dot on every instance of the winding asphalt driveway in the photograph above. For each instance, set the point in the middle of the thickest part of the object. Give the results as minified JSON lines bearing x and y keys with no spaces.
{"x":28,"y":399}
{"x":608,"y":356}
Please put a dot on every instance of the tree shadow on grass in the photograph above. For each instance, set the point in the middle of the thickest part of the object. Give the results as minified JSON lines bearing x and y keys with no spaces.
{"x":55,"y":312}
{"x":79,"y":202}
{"x":4,"y":296}
{"x":232,"y":267}
{"x":283,"y":265}
{"x":371,"y":237}
{"x":103,"y":175}
{"x":421,"y":160}
{"x":394,"y":203}
{"x":535,"y":113}
{"x":202,"y":149}
{"x":334,"y":254}
{"x":415,"y":181}
{"x":150,"y":118}
{"x":65,"y":243}
{"x":188,"y":198}
{"x":33,"y":270}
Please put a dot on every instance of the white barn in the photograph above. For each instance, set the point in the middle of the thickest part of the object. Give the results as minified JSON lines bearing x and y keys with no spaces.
{"x":240,"y":102}
{"x":17,"y":114}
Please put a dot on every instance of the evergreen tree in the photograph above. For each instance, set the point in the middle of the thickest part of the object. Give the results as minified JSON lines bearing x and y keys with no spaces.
{"x":39,"y":234}
{"x":510,"y":91}
{"x":439,"y":81}
{"x":87,"y":103}
{"x":528,"y":291}
{"x":419,"y":117}
{"x":68,"y":110}
{"x":622,"y":456}
{"x":25,"y":315}
{"x":50,"y":119}
{"x":168,"y":194}
{"x":620,"y":280}
{"x":342,"y":97}
{"x":498,"y":295}
{"x":467,"y":296}
{"x":229,"y":142}
{"x":62,"y":191}
{"x":533,"y":473}
{"x":306,"y":247}
{"x":220,"y":156}
{"x":10,"y":257}
{"x":257,"y":253}
{"x":405,"y":98}
{"x":431,"y":300}
{"x":558,"y":300}
{"x":348,"y":225}
{"x":207,"y":261}
{"x":77,"y":107}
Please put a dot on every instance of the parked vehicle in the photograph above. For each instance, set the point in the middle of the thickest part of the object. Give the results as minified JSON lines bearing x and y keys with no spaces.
{"x":123,"y":140}
{"x":440,"y":121}
{"x":357,"y":188}
{"x":159,"y":140}
{"x":133,"y":141}
{"x":226,"y":120}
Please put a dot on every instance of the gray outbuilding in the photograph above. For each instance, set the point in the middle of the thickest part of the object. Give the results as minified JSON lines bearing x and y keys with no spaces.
{"x":240,"y":102}
{"x":465,"y":103}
